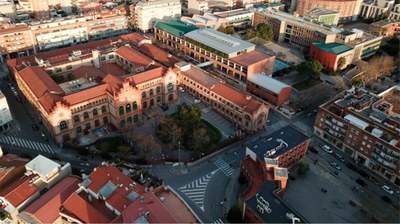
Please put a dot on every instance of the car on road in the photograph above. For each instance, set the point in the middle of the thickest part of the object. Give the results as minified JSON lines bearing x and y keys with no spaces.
{"x":386,"y":199}
{"x":327,"y":149}
{"x":44,"y":136}
{"x":361,"y":182}
{"x":18,"y":98}
{"x":339,"y":157}
{"x":351,"y":166}
{"x":335,"y":165}
{"x":363,"y":174}
{"x":387,"y":189}
{"x":181,"y":89}
{"x":197,"y":101}
{"x":313,"y":149}
{"x":35,"y":127}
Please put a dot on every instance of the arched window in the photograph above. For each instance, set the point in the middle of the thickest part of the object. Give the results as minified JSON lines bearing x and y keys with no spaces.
{"x":136,"y":119}
{"x":150,"y":92}
{"x":158,"y":99}
{"x":103,"y":109}
{"x":134,"y":105}
{"x":247,"y":117}
{"x":144,"y":104}
{"x":88,"y":126}
{"x":63,"y":125}
{"x":158,"y":89}
{"x":128,"y":108}
{"x":85,"y":115}
{"x":129,"y":120}
{"x":121,"y":110}
{"x":143,"y":94}
{"x":123,"y":123}
{"x":76,"y":118}
{"x":78,"y":129}
{"x":170,"y":87}
{"x":95,"y":112}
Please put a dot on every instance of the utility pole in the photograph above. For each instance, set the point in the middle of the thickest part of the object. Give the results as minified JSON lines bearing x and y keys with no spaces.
{"x":179,"y":153}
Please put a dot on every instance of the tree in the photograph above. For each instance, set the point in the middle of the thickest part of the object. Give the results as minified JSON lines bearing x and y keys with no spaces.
{"x":144,"y":144}
{"x":312,"y":67}
{"x":341,"y":62}
{"x":234,"y":215}
{"x":265,"y":31}
{"x":250,"y":33}
{"x":226,"y":29}
{"x":199,"y":138}
{"x":303,"y":168}
{"x":375,"y":68}
{"x":169,"y":131}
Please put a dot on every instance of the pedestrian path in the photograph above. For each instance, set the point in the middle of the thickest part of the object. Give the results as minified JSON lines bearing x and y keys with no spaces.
{"x":196,"y":190}
{"x":224,"y":167}
{"x":302,"y":126}
{"x":218,"y":221}
{"x":23,"y":143}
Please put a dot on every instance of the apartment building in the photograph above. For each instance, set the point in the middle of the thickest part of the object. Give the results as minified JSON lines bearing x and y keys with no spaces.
{"x":237,"y":17}
{"x":197,"y":6}
{"x":101,"y":83}
{"x":373,"y":9}
{"x":264,"y":169}
{"x":348,"y":10}
{"x":17,"y":41}
{"x":366,"y":127}
{"x":246,"y":112}
{"x":5,"y":114}
{"x":395,"y":13}
{"x":243,"y":3}
{"x":231,"y":57}
{"x":144,"y":14}
{"x":385,"y":28}
{"x":364,"y":44}
{"x":294,"y":30}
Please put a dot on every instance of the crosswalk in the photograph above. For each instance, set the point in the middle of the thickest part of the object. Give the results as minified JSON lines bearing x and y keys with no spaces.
{"x":218,"y":221}
{"x":196,"y":190}
{"x":224,"y":167}
{"x":302,"y":126}
{"x":45,"y":148}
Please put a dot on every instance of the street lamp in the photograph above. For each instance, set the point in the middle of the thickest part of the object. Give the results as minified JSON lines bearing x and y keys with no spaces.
{"x":201,"y":155}
{"x":179,"y":153}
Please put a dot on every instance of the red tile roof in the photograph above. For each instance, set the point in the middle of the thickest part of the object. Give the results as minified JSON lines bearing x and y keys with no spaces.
{"x":77,"y":207}
{"x":133,"y":37}
{"x":46,"y":208}
{"x":118,"y":199}
{"x":148,"y":75}
{"x":159,"y":55}
{"x":158,"y":213}
{"x":13,"y":168}
{"x":240,"y":99}
{"x":85,"y":95}
{"x":19,"y":191}
{"x":113,"y":69}
{"x":14,"y":29}
{"x":88,"y":72}
{"x":136,"y":58}
{"x":250,"y":58}
{"x":114,"y":83}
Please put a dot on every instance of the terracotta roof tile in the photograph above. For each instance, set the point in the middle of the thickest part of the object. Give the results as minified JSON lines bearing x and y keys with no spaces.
{"x":250,"y":58}
{"x":113,"y":69}
{"x":159,"y":55}
{"x":14,"y":29}
{"x":79,"y":208}
{"x":19,"y":191}
{"x":88,"y":72}
{"x":147,"y":75}
{"x":114,"y":83}
{"x":13,"y":168}
{"x":85,"y":95}
{"x":136,"y":58}
{"x":46,"y":208}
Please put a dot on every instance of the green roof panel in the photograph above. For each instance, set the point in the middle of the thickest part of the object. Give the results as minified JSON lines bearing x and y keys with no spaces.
{"x":175,"y":27}
{"x":334,"y":48}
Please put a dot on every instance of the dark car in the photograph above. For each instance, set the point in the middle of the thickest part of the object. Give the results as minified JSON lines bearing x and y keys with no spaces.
{"x":351,"y":166}
{"x":35,"y":127}
{"x":44,"y":136}
{"x":361,"y":182}
{"x":313,"y":150}
{"x":363,"y":174}
{"x":386,"y":199}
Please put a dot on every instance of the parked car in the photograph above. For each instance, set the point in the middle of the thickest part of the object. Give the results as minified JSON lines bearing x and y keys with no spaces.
{"x":197,"y":101}
{"x":363,"y":174}
{"x":351,"y":166}
{"x":18,"y":98}
{"x":386,"y":199}
{"x":335,"y":165}
{"x":339,"y":157}
{"x":361,"y":182}
{"x":387,"y":189}
{"x":327,"y":149}
{"x":181,"y":89}
{"x":44,"y":136}
{"x":313,"y":150}
{"x":35,"y":127}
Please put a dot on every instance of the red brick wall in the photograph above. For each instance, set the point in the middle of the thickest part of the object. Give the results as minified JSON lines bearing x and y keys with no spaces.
{"x":325,"y":58}
{"x":274,"y":99}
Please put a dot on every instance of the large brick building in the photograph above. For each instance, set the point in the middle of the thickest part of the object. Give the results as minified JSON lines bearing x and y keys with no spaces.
{"x":366,"y":127}
{"x":348,"y":9}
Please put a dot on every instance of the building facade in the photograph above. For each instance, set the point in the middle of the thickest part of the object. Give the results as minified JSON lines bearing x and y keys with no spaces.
{"x":247,"y":113}
{"x":233,"y":58}
{"x":348,"y":9}
{"x":294,"y":30}
{"x":373,"y":9}
{"x":332,"y":56}
{"x":5,"y":113}
{"x":324,"y":16}
{"x":385,"y":28}
{"x":395,"y":13}
{"x":197,"y":6}
{"x":144,"y":14}
{"x":366,"y":127}
{"x":109,"y":84}
{"x":15,"y":42}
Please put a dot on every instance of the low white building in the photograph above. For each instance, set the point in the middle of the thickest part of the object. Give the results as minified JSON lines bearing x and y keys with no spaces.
{"x":395,"y":13}
{"x":197,"y":6}
{"x":5,"y":113}
{"x":372,"y":9}
{"x":146,"y":14}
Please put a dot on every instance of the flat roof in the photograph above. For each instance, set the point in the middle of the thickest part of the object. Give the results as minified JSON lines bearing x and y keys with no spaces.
{"x":320,"y":12}
{"x":356,"y":121}
{"x":175,"y":27}
{"x":200,"y":76}
{"x":267,"y":82}
{"x":250,"y":58}
{"x":334,"y":48}
{"x":230,"y":13}
{"x":42,"y":165}
{"x":222,"y":42}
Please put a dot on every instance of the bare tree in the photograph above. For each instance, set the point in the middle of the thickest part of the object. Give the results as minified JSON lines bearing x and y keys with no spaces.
{"x":145,"y":145}
{"x":200,"y":138}
{"x":375,"y":68}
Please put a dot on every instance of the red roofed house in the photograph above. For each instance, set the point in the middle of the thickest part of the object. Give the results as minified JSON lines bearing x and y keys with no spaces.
{"x":248,"y":113}
{"x":11,"y":167}
{"x":46,"y":208}
{"x":111,"y":83}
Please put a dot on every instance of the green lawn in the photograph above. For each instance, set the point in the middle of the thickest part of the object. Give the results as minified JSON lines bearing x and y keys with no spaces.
{"x":305,"y":84}
{"x":213,"y":133}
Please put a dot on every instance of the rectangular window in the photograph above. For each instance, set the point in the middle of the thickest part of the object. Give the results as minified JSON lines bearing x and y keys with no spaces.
{"x":111,"y":56}
{"x":69,"y":67}
{"x":103,"y":58}
{"x":58,"y":69}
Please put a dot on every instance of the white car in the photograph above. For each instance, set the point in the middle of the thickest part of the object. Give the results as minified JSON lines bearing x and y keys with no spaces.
{"x":181,"y":89}
{"x":327,"y":149}
{"x":196,"y":101}
{"x":387,"y":189}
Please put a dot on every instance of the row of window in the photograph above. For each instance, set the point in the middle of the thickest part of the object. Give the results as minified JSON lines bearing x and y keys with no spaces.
{"x":128,"y":108}
{"x":129,"y":120}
